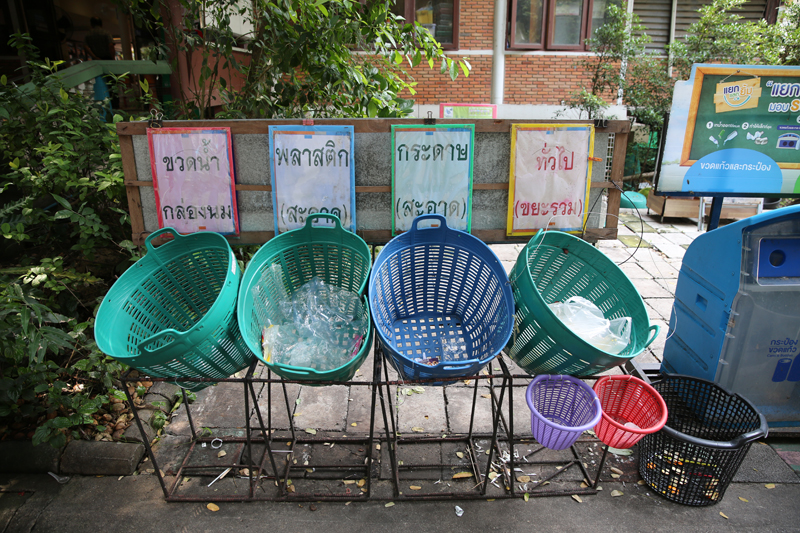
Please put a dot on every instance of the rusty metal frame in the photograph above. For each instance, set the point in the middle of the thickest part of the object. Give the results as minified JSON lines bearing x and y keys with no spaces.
{"x":502,"y":432}
{"x":266,"y":467}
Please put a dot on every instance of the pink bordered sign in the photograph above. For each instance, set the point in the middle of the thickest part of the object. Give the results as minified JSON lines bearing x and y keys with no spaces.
{"x":470,"y":111}
{"x":193,"y":179}
{"x":551,"y":166}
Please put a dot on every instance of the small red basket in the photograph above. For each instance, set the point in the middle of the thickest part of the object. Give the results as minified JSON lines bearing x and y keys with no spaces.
{"x":628,"y":400}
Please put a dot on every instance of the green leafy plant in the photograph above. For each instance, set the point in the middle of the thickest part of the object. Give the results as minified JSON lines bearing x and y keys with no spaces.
{"x":619,"y":39}
{"x":305,"y":58}
{"x":721,"y":36}
{"x":648,"y":90}
{"x":159,"y":418}
{"x":63,"y":222}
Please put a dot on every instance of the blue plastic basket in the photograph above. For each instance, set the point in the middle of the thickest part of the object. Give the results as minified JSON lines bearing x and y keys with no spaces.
{"x":435,"y":284}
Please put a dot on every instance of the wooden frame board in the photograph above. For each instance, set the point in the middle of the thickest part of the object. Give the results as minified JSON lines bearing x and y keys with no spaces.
{"x":250,"y":137}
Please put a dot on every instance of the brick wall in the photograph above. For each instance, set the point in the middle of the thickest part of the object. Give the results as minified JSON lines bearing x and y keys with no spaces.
{"x":531,"y":79}
{"x":476,"y":25}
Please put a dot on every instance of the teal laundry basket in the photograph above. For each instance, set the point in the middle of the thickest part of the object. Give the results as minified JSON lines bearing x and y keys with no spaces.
{"x":173,"y":313}
{"x":553,"y":267}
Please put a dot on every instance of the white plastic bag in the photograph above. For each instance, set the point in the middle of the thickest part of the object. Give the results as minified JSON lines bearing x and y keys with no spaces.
{"x":586,"y":320}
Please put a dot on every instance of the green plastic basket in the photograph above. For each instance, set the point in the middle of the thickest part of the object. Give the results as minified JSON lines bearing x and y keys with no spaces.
{"x":321,"y":248}
{"x":553,"y":267}
{"x":173,"y":313}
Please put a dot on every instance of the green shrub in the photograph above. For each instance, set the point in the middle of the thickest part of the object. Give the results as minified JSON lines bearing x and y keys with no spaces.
{"x":63,"y":223}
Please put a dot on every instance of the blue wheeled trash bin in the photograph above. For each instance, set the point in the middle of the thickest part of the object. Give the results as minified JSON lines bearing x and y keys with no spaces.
{"x":736,"y":317}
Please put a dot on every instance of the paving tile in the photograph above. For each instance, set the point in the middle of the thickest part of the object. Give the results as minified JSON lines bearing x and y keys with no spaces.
{"x":667,"y":229}
{"x":659,"y":269}
{"x":624,"y":230}
{"x":426,"y":411}
{"x":668,"y":283}
{"x":638,"y":227}
{"x":505,"y":252}
{"x":459,"y":409}
{"x":634,"y":241}
{"x":220,"y":406}
{"x":635,"y":271}
{"x":359,"y":410}
{"x":647,"y":357}
{"x":673,"y":251}
{"x":322,"y":408}
{"x":661,"y":307}
{"x":678,"y":238}
{"x":649,"y":288}
{"x":608,"y":243}
{"x":277,"y":410}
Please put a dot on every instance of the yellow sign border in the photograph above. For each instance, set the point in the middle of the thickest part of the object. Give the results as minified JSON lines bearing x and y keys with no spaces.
{"x":511,"y":180}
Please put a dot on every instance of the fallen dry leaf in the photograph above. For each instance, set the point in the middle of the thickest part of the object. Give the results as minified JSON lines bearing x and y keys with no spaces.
{"x":460,"y":455}
{"x":311,"y":431}
{"x":354,"y":424}
{"x":616,"y":470}
{"x":745,"y":500}
{"x":577,"y":498}
{"x":390,"y":504}
{"x":524,"y":479}
{"x":616,"y":493}
{"x":584,"y":485}
{"x":222,"y":453}
{"x":462,"y":475}
{"x":723,"y":515}
{"x":415,"y":487}
{"x":213,"y":507}
{"x":417,"y":429}
{"x":770,"y":485}
{"x":361,"y":482}
{"x":640,"y":482}
{"x":349,"y":481}
{"x":486,"y":395}
{"x":615,"y":476}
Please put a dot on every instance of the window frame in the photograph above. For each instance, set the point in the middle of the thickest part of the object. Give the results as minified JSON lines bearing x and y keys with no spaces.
{"x":410,"y":15}
{"x":548,"y":29}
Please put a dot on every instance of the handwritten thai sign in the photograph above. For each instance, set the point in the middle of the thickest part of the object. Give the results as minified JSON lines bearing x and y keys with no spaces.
{"x":312,"y":172}
{"x":432,"y":173}
{"x":550,"y":177}
{"x":193,"y":179}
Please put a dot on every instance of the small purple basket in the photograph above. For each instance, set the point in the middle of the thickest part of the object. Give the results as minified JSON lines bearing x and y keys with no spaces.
{"x":562,"y":407}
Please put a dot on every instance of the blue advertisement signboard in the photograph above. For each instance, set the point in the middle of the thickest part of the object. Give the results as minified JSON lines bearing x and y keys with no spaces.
{"x":734,"y":130}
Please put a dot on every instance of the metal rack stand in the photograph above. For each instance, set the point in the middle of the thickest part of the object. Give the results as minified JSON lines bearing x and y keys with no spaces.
{"x":274,"y":469}
{"x":256,"y":454}
{"x":500,"y":456}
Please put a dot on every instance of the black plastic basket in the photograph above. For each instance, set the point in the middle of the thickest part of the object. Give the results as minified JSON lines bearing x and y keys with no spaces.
{"x":694,"y":457}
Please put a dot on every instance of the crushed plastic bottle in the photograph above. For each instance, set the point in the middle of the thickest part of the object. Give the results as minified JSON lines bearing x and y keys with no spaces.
{"x":320,"y":326}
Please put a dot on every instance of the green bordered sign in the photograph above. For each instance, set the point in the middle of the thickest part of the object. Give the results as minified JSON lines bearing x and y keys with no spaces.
{"x":432,"y":173}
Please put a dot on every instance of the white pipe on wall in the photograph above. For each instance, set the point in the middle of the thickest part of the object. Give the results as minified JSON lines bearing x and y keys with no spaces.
{"x":498,"y":51}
